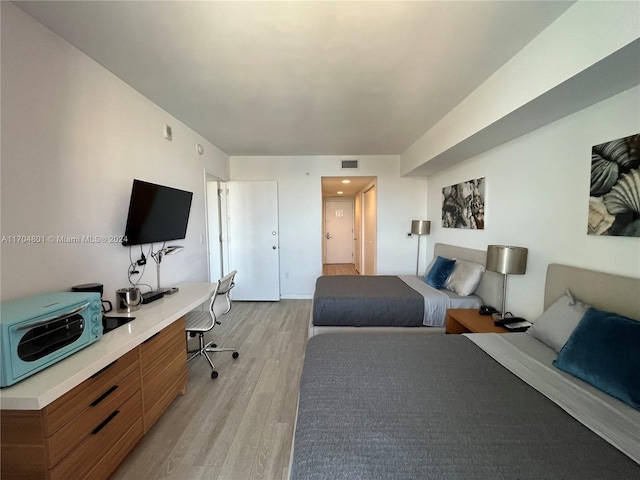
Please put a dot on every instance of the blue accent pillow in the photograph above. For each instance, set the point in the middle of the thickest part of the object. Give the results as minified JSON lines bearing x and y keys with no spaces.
{"x":603,"y":350}
{"x":439,"y":273}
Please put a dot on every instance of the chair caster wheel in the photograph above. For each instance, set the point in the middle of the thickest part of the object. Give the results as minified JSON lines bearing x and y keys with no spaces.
{"x":214,"y":345}
{"x":235,"y":355}
{"x":214,"y":374}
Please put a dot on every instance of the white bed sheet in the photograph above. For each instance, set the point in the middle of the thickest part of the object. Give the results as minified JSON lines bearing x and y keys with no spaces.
{"x":436,"y":302}
{"x":530,"y":360}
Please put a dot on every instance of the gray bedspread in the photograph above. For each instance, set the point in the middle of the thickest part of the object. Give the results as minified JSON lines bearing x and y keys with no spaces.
{"x":366,"y":301}
{"x":378,"y":406}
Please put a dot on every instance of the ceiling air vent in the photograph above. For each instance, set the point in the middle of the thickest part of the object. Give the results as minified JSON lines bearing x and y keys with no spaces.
{"x":349,"y":163}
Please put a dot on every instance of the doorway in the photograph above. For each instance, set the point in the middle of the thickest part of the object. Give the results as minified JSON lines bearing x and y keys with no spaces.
{"x":369,"y":242}
{"x":348,"y":225}
{"x":242,"y":234}
{"x":216,"y":226}
{"x":252,"y":209}
{"x":338,"y":231}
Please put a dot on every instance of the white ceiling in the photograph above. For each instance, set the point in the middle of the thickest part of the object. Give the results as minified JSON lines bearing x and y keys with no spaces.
{"x":349,"y":186}
{"x":297,"y":77}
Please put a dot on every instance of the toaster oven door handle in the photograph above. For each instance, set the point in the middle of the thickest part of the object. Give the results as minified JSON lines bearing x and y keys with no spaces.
{"x":54,"y":319}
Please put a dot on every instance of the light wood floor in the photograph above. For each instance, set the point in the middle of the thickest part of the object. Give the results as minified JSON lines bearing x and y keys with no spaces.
{"x":240,"y":425}
{"x":339,"y":269}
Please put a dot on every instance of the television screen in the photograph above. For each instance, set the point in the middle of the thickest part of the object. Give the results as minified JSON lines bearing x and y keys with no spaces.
{"x":156,"y":213}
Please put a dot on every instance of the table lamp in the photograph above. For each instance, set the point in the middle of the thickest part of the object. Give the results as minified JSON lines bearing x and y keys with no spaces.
{"x":506,"y":260}
{"x":157,"y":256}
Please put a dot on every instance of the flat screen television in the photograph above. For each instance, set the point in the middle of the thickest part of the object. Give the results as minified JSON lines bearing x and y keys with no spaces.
{"x":156,"y":214}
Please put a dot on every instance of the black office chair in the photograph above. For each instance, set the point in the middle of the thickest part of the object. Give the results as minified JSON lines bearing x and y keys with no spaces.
{"x":199,"y":322}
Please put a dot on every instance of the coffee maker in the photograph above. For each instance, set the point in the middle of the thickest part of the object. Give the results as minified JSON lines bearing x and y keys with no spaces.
{"x":94,"y":287}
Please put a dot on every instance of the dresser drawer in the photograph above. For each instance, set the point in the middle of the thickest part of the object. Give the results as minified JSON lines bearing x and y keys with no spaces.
{"x":159,"y":348}
{"x":66,"y":438}
{"x":160,"y":393}
{"x":154,"y":368}
{"x":22,"y":455}
{"x":102,"y":446}
{"x":163,"y":362}
{"x":74,"y":402}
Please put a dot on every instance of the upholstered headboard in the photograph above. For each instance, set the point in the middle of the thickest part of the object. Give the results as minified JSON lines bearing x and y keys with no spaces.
{"x":490,"y":287}
{"x":605,"y":291}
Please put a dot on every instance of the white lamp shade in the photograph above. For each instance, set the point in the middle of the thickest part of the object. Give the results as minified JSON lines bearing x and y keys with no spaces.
{"x":506,"y":259}
{"x":420,"y":227}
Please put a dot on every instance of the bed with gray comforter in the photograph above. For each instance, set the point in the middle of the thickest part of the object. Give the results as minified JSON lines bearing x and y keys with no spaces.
{"x":479,"y":406}
{"x":383,"y":300}
{"x":373,"y":301}
{"x":375,"y":406}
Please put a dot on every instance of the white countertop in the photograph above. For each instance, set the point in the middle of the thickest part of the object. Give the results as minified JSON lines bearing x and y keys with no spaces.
{"x":39,"y":390}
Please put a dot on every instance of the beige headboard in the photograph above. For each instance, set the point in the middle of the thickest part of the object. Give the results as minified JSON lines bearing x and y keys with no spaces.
{"x":612,"y":293}
{"x":490,"y":288}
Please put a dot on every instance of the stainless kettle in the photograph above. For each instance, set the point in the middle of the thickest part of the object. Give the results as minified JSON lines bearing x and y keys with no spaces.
{"x":128,"y":299}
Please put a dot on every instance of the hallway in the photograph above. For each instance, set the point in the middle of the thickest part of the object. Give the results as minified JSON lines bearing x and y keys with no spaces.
{"x":339,"y":269}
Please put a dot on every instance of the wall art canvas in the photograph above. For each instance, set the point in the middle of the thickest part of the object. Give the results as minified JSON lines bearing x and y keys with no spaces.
{"x":614,"y":194}
{"x":463,"y":205}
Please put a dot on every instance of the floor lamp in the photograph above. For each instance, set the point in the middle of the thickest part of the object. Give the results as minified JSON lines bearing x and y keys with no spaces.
{"x":420,"y":227}
{"x":507,"y":261}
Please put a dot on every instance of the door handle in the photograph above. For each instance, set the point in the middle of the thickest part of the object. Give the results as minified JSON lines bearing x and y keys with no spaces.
{"x":328,"y":236}
{"x":274,"y":247}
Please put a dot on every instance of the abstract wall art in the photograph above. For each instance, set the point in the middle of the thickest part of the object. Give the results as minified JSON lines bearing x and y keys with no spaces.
{"x":614,"y":193}
{"x":463,"y":205}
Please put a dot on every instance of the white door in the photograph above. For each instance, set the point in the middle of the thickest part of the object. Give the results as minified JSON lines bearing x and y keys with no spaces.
{"x":214,"y":232}
{"x":252,"y":223}
{"x":338,"y":232}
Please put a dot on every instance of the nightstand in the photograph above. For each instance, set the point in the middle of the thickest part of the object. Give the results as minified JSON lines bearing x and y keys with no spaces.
{"x":470,"y":321}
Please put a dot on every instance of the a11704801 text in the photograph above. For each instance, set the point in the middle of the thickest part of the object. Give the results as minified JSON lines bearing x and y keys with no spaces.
{"x":62,"y":239}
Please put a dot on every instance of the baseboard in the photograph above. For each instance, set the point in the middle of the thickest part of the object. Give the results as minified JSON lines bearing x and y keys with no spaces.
{"x":297,"y":296}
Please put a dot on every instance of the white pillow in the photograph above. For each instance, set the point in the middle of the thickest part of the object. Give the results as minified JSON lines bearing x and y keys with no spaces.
{"x":556,"y":324}
{"x":465,"y":277}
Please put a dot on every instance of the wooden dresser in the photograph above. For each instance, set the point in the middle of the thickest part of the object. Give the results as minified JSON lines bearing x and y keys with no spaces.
{"x":88,"y":429}
{"x":163,"y":371}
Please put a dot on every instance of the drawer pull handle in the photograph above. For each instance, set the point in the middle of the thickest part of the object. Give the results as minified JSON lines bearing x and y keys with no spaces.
{"x":103,"y":369}
{"x":103,"y":396}
{"x":104,"y":424}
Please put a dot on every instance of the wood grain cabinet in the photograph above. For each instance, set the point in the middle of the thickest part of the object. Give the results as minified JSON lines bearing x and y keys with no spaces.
{"x":163,"y":364}
{"x":87,"y":432}
{"x":64,"y":438}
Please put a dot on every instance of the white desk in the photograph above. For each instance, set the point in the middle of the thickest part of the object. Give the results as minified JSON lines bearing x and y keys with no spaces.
{"x":39,"y":390}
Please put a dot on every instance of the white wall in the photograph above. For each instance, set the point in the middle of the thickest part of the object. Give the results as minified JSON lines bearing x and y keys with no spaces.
{"x":537,"y":192}
{"x":583,"y":36}
{"x":74,"y":137}
{"x":400,"y":200}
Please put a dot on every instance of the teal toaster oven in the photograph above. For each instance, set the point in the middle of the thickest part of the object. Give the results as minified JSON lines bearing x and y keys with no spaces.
{"x":41,"y":330}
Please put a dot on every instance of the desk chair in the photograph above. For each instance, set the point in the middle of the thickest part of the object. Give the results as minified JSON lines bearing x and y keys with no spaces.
{"x":199,"y":322}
